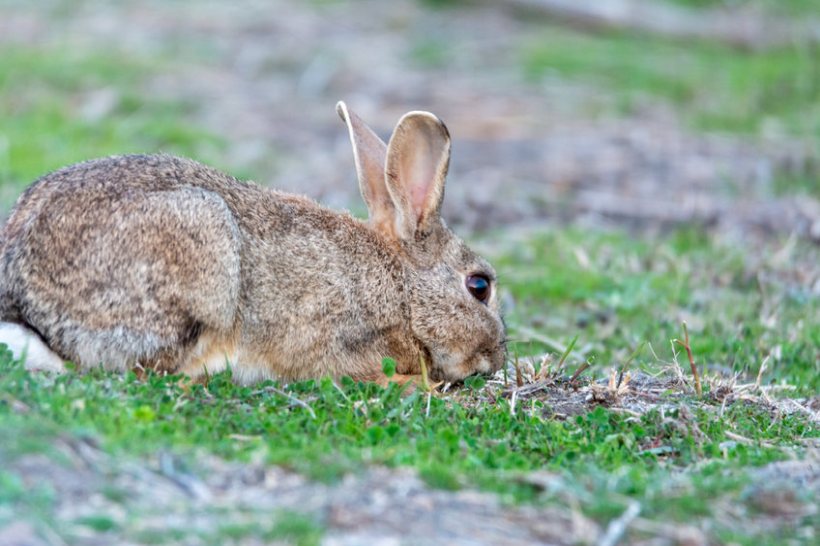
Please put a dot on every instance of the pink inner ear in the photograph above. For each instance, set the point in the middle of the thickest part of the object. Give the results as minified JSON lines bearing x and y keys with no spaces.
{"x":422,"y":174}
{"x":419,"y":195}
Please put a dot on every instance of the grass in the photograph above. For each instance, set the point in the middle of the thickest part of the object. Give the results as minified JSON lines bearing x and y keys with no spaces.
{"x":782,"y":7}
{"x":454,"y":446}
{"x":615,"y":292}
{"x":58,"y":108}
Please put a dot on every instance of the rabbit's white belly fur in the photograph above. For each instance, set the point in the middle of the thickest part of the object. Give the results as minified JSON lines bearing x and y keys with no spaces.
{"x":26,"y":345}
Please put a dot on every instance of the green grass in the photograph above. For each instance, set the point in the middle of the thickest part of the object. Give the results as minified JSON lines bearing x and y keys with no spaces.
{"x":715,"y":87}
{"x":807,"y":184}
{"x":615,"y":291}
{"x":782,"y":7}
{"x":48,"y":123}
{"x":481,"y":445}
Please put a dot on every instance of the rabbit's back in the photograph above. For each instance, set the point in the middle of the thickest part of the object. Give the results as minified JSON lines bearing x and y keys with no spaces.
{"x":123,"y":260}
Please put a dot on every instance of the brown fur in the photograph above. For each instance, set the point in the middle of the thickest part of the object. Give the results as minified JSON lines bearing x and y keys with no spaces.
{"x":160,"y":262}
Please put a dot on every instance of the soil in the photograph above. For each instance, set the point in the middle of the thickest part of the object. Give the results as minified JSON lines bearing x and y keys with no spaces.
{"x":379,"y":506}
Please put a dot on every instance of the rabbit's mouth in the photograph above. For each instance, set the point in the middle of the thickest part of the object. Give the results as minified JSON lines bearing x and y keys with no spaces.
{"x":454,"y":367}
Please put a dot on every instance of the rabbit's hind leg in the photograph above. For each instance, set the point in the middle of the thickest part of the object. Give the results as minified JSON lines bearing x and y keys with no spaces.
{"x":135,"y":281}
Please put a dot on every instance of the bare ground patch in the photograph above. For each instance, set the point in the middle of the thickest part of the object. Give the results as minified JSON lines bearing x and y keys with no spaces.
{"x":198,"y":499}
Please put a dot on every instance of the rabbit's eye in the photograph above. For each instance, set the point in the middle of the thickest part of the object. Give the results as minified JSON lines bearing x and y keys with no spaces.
{"x":479,"y":287}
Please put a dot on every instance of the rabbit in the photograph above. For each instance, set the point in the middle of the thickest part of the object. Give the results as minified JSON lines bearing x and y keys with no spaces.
{"x":162,"y":263}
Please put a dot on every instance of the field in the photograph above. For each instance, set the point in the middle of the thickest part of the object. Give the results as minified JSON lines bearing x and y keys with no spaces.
{"x":637,"y":194}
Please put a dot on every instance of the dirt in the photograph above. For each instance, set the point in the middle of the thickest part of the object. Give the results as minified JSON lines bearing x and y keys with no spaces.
{"x":266,"y":75}
{"x":198,"y":497}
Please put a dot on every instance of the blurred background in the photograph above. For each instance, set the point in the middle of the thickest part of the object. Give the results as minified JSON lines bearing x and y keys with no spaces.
{"x":627,"y":113}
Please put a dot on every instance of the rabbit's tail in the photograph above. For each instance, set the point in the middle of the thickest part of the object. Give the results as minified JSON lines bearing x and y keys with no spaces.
{"x":26,"y":346}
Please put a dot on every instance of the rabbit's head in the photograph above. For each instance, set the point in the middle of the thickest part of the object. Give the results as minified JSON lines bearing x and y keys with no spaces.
{"x":451,"y":291}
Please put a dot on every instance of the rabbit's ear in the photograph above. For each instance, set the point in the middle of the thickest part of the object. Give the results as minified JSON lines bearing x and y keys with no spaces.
{"x":369,"y":154}
{"x":417,"y":159}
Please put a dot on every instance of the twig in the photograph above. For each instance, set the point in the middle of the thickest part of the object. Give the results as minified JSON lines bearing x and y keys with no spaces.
{"x":627,"y":411}
{"x":747,"y":441}
{"x":519,"y":380}
{"x":760,"y":372}
{"x":341,"y":391}
{"x":579,"y":371}
{"x":512,"y":402}
{"x":813,"y":415}
{"x":765,"y":388}
{"x":722,"y":407}
{"x":424,"y":381}
{"x":293,"y":399}
{"x":685,"y":345}
{"x":530,"y":388}
{"x":676,"y":365}
{"x":543,"y":366}
{"x":429,"y":397}
{"x":618,"y":526}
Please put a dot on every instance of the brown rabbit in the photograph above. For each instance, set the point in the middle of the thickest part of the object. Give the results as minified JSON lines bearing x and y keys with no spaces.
{"x":159,"y":262}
